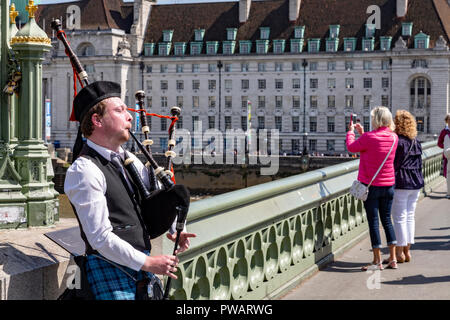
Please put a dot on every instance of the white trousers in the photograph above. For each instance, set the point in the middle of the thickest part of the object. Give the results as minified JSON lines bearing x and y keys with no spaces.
{"x":403,"y":209}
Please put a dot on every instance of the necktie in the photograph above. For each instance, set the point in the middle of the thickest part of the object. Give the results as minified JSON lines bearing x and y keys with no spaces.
{"x":117,"y":162}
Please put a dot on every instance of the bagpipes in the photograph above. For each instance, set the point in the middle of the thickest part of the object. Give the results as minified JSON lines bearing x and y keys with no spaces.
{"x":162,"y":203}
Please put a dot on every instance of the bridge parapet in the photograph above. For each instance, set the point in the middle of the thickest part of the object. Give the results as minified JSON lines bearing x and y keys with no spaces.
{"x":260,"y":241}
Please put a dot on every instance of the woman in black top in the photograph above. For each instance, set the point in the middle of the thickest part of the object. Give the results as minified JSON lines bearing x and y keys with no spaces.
{"x":408,"y":182}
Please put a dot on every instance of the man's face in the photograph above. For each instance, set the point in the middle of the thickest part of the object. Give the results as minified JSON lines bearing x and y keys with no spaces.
{"x":117,"y":120}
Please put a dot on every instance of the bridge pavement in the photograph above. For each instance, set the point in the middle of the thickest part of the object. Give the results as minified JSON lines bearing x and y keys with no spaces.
{"x":427,"y":276}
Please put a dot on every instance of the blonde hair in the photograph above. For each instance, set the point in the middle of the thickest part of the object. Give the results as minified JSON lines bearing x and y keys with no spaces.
{"x":405,"y":124}
{"x":382,"y":117}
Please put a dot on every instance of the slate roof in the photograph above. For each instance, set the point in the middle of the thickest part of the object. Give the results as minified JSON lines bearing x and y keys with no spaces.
{"x":95,"y":14}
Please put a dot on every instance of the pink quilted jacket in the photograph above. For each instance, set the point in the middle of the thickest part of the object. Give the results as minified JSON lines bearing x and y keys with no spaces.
{"x":373,"y":147}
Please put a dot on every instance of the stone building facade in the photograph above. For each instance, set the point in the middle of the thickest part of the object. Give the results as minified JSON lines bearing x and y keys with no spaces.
{"x":305,"y":66}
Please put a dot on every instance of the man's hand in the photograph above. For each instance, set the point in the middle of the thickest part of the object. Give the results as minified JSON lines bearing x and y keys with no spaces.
{"x":184,"y":241}
{"x":164,"y":264}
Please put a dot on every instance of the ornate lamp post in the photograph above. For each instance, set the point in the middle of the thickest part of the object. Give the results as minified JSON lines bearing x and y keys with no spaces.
{"x":305,"y":149}
{"x":220,"y":65}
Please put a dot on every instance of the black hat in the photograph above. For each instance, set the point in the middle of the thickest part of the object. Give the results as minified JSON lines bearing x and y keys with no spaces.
{"x":88,"y":97}
{"x":92,"y":94}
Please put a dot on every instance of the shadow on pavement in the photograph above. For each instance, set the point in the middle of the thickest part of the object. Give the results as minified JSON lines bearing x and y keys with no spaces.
{"x":418,"y":279}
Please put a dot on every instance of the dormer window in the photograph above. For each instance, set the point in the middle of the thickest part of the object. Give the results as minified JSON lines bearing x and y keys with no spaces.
{"x":180,"y":48}
{"x":149,"y":48}
{"x":368,"y":44}
{"x":211,"y":47}
{"x":299,"y":32}
{"x":164,"y":48}
{"x":245,"y":46}
{"x":370,"y":30}
{"x":196,"y":48}
{"x":231,"y":34}
{"x":264,"y":33}
{"x":407,"y":29}
{"x":198,"y":34}
{"x":334,"y":30}
{"x":385,"y":43}
{"x":421,"y":41}
{"x":419,"y":63}
{"x":167,"y":35}
{"x":262,"y":46}
{"x":296,"y":45}
{"x":228,"y":47}
{"x":349,"y":44}
{"x":278,"y":46}
{"x":313,"y":45}
{"x":332,"y":44}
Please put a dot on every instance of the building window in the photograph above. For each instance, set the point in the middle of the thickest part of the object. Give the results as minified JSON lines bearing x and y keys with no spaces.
{"x":198,"y":34}
{"x":228,"y":47}
{"x":349,"y":101}
{"x":264,"y":32}
{"x":149,"y":85}
{"x":227,"y":122}
{"x":195,"y":67}
{"x":295,"y":124}
{"x":262,"y":46}
{"x":330,"y":145}
{"x":419,"y":63}
{"x":366,"y":124}
{"x":278,"y":66}
{"x":349,"y":83}
{"x":164,"y":85}
{"x":385,"y":100}
{"x":261,"y":66}
{"x":420,"y":93}
{"x":211,"y":47}
{"x":312,"y":124}
{"x":196,"y":48}
{"x":367,"y":83}
{"x":261,"y":122}
{"x":245,"y":47}
{"x":278,"y":123}
{"x":295,"y":83}
{"x":212,"y":101}
{"x":163,"y":124}
{"x":163,"y":68}
{"x":244,"y":67}
{"x":212,"y":84}
{"x":278,"y":83}
{"x":368,"y":44}
{"x":331,"y":101}
{"x":261,"y":83}
{"x":384,"y":83}
{"x":244,"y":102}
{"x":313,"y":66}
{"x":296,"y":45}
{"x":163,"y":102}
{"x":228,"y":102}
{"x":245,"y":83}
{"x":367,"y":65}
{"x":195,"y":101}
{"x":366,"y":101}
{"x":313,"y":102}
{"x":348,"y":65}
{"x":313,"y":83}
{"x":331,"y":65}
{"x":261,"y":101}
{"x":195,"y":84}
{"x":331,"y":83}
{"x":244,"y":123}
{"x":313,"y":45}
{"x":420,"y":124}
{"x":228,"y":84}
{"x":279,"y":102}
{"x":385,"y":65}
{"x":295,"y":66}
{"x":86,"y":50}
{"x":231,"y":34}
{"x":180,"y":122}
{"x":149,"y":69}
{"x":179,"y":68}
{"x":295,"y":102}
{"x":349,"y":44}
{"x":278,"y":46}
{"x":313,"y":145}
{"x":180,"y":84}
{"x":370,"y":30}
{"x":299,"y":32}
{"x":149,"y":48}
{"x":89,"y":68}
{"x":212,"y":67}
{"x":331,"y":45}
{"x":180,"y":48}
{"x":385,"y":43}
{"x":211,"y":122}
{"x":227,"y":67}
{"x":407,"y":29}
{"x":195,"y":123}
{"x":149,"y":103}
{"x":180,"y":101}
{"x":295,"y":143}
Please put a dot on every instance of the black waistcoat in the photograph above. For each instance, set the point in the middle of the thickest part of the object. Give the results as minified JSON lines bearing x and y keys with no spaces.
{"x":124,"y":211}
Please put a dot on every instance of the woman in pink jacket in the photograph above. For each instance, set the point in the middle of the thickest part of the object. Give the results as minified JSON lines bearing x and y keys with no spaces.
{"x":373,"y":147}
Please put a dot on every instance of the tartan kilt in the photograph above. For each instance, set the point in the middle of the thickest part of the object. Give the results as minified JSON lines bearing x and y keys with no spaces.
{"x":108,"y":282}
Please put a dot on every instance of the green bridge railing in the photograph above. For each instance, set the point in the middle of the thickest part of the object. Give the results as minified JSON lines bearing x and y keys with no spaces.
{"x":258,"y":242}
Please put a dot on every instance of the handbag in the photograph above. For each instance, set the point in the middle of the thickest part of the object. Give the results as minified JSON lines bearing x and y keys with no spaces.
{"x":359,"y":190}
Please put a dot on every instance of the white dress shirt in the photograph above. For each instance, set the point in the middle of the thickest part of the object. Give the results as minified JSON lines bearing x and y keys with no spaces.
{"x":85,"y":186}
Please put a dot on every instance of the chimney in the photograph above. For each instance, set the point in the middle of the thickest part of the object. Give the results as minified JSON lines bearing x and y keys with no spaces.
{"x":244,"y":10}
{"x":294,"y":9}
{"x":402,"y":8}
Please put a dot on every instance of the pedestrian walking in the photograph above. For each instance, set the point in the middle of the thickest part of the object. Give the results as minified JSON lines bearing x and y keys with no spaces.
{"x":444,"y":143}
